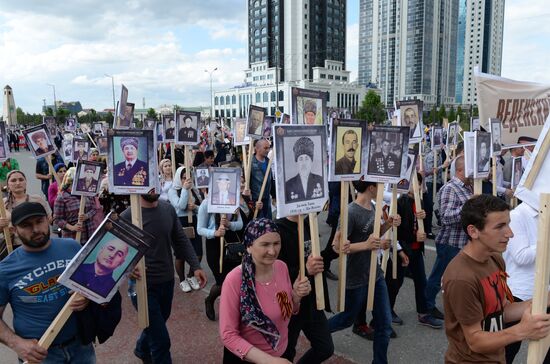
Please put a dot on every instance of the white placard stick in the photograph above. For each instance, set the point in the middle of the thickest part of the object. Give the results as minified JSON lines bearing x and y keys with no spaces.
{"x":374,"y":255}
{"x":245,"y":160}
{"x":494,"y":176}
{"x":7,"y":234}
{"x":385,"y":256}
{"x":301,"y":248}
{"x":173,"y":158}
{"x":316,"y":252}
{"x":393,"y":212}
{"x":92,"y":140}
{"x":417,"y":202}
{"x":141,"y":284}
{"x":477,"y":186}
{"x":81,"y":210}
{"x":262,"y":189}
{"x":342,"y":257}
{"x":57,"y":324}
{"x":187,"y":176}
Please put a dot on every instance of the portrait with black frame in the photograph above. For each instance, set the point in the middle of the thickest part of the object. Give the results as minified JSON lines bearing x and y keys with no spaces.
{"x":39,"y":141}
{"x":81,"y":148}
{"x":87,"y":178}
{"x":387,"y":153}
{"x":309,"y":107}
{"x":255,"y":122}
{"x":4,"y":143}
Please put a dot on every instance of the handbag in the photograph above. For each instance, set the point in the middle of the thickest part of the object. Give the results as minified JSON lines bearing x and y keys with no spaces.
{"x":234,"y":250}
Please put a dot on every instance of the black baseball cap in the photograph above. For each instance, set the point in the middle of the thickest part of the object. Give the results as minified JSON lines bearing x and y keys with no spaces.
{"x":22,"y":212}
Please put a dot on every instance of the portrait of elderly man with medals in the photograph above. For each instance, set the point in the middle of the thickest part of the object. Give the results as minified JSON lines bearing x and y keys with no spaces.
{"x":132,"y":171}
{"x":305,"y":185}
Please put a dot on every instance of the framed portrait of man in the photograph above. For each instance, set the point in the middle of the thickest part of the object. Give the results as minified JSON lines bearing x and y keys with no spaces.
{"x":102,"y":145}
{"x":387,"y":153}
{"x":404,"y":184}
{"x":437,"y":137}
{"x":269,"y":121}
{"x":159,"y":131}
{"x":202,"y":177}
{"x":301,"y":168}
{"x":81,"y":148}
{"x":410,"y":115}
{"x":67,"y":146}
{"x":255,"y":122}
{"x":169,"y":123}
{"x":87,"y":181}
{"x":496,"y":136}
{"x":111,"y":253}
{"x":475,"y":124}
{"x":39,"y":141}
{"x":132,"y":161}
{"x":239,"y":132}
{"x":4,"y":142}
{"x":482,"y":154}
{"x":309,"y":107}
{"x":347,"y":152}
{"x":285,"y":119}
{"x":125,"y":114}
{"x":70,"y":124}
{"x":469,"y":153}
{"x":51,"y":124}
{"x":452,"y":134}
{"x":188,"y":127}
{"x":517,"y":172}
{"x":224,"y":190}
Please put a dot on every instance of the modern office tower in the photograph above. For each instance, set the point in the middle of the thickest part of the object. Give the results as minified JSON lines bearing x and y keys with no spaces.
{"x":407,"y":49}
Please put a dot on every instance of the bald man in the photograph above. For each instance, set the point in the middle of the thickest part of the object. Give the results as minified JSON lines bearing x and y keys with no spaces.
{"x":451,"y":238}
{"x":98,"y":276}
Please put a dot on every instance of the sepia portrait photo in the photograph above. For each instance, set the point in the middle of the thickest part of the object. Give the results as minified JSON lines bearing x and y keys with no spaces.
{"x":308,"y":106}
{"x":224,"y":190}
{"x":410,"y":115}
{"x":387,"y":153}
{"x":239,"y":132}
{"x":496,"y":136}
{"x":301,"y":168}
{"x":187,"y":123}
{"x":87,"y":178}
{"x":255,"y":122}
{"x":39,"y":141}
{"x":347,"y":157}
{"x":482,"y":156}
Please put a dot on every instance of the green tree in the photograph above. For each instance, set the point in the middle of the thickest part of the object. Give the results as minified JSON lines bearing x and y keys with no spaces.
{"x":441,"y":114}
{"x":109,"y":119}
{"x":452,"y":114}
{"x":151,"y":114}
{"x":372,"y":109}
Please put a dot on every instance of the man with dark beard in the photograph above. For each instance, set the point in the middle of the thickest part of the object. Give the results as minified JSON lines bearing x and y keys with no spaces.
{"x":160,"y":220}
{"x":28,"y":282}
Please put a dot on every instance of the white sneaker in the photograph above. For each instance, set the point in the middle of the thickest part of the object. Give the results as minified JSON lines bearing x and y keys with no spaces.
{"x":194,"y":283}
{"x":185,"y":287}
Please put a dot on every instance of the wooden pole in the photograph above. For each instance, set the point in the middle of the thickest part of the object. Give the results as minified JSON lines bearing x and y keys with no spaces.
{"x":262,"y":189}
{"x":393,"y":212}
{"x":374,"y":255}
{"x":187,"y":176}
{"x":434,"y":187}
{"x":81,"y":210}
{"x":342,"y":257}
{"x":538,"y":348}
{"x":250,"y":156}
{"x":52,"y":170}
{"x":316,"y":252}
{"x":92,"y":140}
{"x":7,"y":233}
{"x":173,"y":158}
{"x":222,"y":252}
{"x":477,"y":186}
{"x":57,"y":324}
{"x":245,"y":161}
{"x":417,"y":202}
{"x":352,"y":191}
{"x":141,"y":284}
{"x":301,"y":252}
{"x":494,"y":177}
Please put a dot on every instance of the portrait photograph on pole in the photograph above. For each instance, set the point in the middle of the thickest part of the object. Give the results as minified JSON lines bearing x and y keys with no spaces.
{"x":102,"y":145}
{"x":70,"y":124}
{"x":149,"y":123}
{"x":86,"y":181}
{"x":404,"y":184}
{"x":239,"y":132}
{"x":496,"y":136}
{"x":437,"y":137}
{"x":469,"y":153}
{"x":410,"y":115}
{"x":51,"y":124}
{"x":223,"y":190}
{"x":122,"y":119}
{"x":188,"y":127}
{"x":202,"y":177}
{"x":255,"y":122}
{"x":132,"y":161}
{"x":301,"y":168}
{"x":103,"y":263}
{"x":4,"y":143}
{"x":39,"y":141}
{"x":387,"y":152}
{"x":98,"y":129}
{"x":81,"y":148}
{"x":309,"y":107}
{"x":348,"y":150}
{"x":169,"y":128}
{"x":482,"y":154}
{"x":452,"y":134}
{"x":269,"y":121}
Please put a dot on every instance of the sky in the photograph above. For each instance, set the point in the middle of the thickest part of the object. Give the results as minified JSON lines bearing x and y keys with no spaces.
{"x":161,"y":49}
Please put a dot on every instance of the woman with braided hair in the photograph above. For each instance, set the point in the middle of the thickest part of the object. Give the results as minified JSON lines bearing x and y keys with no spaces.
{"x":258,"y":300}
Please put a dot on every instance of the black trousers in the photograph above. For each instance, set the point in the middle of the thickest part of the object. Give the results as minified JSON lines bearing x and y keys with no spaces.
{"x":314,"y":324}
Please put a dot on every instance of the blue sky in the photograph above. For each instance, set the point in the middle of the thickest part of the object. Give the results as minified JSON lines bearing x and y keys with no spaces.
{"x":160,"y":50}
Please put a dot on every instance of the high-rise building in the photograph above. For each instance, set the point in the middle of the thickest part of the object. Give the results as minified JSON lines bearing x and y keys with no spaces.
{"x":296,"y":35}
{"x":407,"y":49}
{"x":481,"y":26}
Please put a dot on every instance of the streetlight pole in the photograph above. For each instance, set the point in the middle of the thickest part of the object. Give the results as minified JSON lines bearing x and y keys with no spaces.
{"x":113,"y":83}
{"x":211,"y":104}
{"x":54,"y":101}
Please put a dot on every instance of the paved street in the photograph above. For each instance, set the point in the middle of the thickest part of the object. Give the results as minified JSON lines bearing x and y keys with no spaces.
{"x":195,"y":338}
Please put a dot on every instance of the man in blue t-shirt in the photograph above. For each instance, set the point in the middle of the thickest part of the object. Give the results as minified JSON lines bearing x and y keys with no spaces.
{"x":28,"y":282}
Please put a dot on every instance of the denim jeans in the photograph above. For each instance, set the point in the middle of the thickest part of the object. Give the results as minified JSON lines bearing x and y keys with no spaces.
{"x":355,"y":300}
{"x":72,"y":353}
{"x":154,"y":341}
{"x":314,"y":324}
{"x":445,"y":253}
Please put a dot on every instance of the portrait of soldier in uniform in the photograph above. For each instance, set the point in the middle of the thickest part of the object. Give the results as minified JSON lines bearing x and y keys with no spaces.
{"x":170,"y":128}
{"x":203,"y":177}
{"x":347,"y":163}
{"x":385,"y":161}
{"x":305,"y":185}
{"x":131,"y":171}
{"x":87,"y":182}
{"x":188,"y":131}
{"x":80,"y":150}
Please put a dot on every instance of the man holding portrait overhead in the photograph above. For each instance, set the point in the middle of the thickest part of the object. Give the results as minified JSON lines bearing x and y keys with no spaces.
{"x":305,"y":185}
{"x":131,"y":171}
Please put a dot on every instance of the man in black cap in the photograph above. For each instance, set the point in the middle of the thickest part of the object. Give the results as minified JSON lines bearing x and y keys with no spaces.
{"x":28,"y":282}
{"x":132,"y":171}
{"x":305,"y":185}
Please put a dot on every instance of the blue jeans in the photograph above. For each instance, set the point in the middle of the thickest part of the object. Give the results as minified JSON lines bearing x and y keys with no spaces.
{"x":73,"y":352}
{"x":355,"y":300}
{"x":445,"y":253}
{"x":154,"y":341}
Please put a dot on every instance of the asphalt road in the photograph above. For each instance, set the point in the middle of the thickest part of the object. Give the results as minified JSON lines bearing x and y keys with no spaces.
{"x":414,"y":343}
